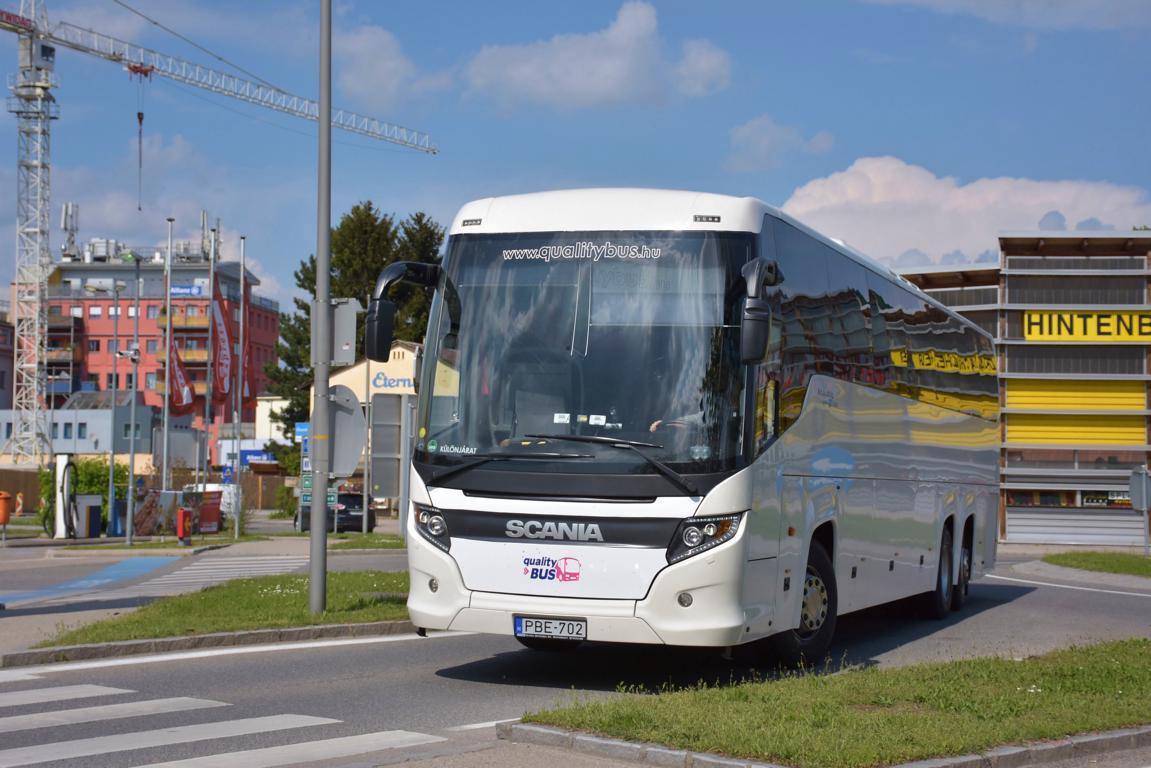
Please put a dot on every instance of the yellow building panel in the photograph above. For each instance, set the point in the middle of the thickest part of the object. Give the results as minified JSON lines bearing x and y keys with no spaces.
{"x":1075,"y":430}
{"x":1042,"y":394}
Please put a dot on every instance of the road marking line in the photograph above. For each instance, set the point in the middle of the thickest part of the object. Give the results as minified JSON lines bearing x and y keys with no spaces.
{"x":126,"y":661}
{"x":160,"y":737}
{"x":107,"y":712}
{"x":16,"y":676}
{"x":308,"y":751}
{"x":479,"y":726}
{"x":57,"y":693}
{"x":1068,"y":586}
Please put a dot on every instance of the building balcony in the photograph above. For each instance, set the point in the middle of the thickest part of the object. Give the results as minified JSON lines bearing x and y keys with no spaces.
{"x":194,"y":355}
{"x":198,"y":387}
{"x":185,"y":322}
{"x":60,"y":355}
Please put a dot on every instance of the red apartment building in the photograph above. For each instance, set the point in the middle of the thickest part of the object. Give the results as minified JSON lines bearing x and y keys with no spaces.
{"x":94,"y":299}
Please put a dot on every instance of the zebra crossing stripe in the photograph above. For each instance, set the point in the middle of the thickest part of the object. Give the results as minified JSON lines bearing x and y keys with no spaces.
{"x":160,"y":737}
{"x":106,"y":712}
{"x":308,"y":751}
{"x":57,"y":693}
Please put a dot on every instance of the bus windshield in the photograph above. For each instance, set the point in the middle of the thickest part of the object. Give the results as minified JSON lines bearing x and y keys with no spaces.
{"x":625,"y":335}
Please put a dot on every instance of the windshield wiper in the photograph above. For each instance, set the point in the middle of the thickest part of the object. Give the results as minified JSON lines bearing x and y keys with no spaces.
{"x":484,"y":458}
{"x":630,"y":445}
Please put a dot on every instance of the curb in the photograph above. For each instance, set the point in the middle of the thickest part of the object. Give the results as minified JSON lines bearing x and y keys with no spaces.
{"x":173,"y":551}
{"x":1009,"y":756}
{"x":195,"y":642}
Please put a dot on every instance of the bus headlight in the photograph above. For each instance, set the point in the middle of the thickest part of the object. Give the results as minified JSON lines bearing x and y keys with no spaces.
{"x":699,"y":534}
{"x":432,"y":525}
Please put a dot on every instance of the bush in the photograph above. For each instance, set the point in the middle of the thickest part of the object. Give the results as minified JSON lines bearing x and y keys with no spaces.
{"x":286,"y":503}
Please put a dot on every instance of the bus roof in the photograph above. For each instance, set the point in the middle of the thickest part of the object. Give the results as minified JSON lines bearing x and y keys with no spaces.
{"x":640,"y":209}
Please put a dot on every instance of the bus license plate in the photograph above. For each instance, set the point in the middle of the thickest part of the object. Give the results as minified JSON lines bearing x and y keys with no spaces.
{"x":560,"y":629}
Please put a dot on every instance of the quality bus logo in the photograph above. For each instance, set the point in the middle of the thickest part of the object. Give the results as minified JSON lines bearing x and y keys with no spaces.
{"x":551,"y":569}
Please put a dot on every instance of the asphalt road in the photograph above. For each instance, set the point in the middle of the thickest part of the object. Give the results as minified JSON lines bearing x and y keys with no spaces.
{"x":433,"y":687}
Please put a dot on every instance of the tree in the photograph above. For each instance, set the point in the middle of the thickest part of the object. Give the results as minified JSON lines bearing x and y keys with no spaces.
{"x":363,"y":243}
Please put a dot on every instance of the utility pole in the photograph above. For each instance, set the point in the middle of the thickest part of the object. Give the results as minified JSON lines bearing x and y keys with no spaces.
{"x":237,"y":430}
{"x":132,"y":410}
{"x":321,"y":327}
{"x":112,"y":403}
{"x":169,"y":353}
{"x":211,"y":361}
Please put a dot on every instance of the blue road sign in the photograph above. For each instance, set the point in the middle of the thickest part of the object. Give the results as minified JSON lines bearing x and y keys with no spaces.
{"x":303,"y":429}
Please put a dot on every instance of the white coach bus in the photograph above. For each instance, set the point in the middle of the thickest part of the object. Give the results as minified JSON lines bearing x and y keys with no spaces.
{"x":677,"y":418}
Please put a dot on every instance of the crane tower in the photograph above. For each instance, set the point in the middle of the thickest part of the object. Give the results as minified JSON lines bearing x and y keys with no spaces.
{"x":35,"y":108}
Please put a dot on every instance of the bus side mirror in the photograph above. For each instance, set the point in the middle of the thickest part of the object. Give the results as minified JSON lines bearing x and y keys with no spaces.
{"x":755,"y":325}
{"x":381,"y":317}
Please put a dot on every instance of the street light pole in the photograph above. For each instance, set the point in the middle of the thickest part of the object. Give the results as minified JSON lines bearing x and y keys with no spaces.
{"x":238,"y":414}
{"x":168,"y":353}
{"x":132,"y":410}
{"x":112,"y":402}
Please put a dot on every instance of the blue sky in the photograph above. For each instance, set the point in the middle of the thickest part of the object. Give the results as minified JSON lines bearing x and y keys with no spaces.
{"x":913,"y":129}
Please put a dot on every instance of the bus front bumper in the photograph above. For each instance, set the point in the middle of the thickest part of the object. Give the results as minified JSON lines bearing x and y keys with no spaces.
{"x":714,"y":618}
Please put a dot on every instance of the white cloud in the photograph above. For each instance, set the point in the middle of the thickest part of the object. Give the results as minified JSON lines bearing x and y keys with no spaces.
{"x":616,"y":65}
{"x":373,"y":71}
{"x":704,"y":68}
{"x":885,"y":207}
{"x":1044,"y":14}
{"x":760,"y":143}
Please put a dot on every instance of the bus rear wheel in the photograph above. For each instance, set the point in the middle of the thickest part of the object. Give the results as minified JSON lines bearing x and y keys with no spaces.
{"x":937,"y":603}
{"x":808,"y":643}
{"x":549,"y":645}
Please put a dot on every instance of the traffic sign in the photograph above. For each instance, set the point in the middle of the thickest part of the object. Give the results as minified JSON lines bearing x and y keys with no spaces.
{"x":348,"y":431}
{"x":303,"y":429}
{"x":306,"y":464}
{"x":305,"y":498}
{"x":307,"y":480}
{"x":331,"y":498}
{"x":305,"y":445}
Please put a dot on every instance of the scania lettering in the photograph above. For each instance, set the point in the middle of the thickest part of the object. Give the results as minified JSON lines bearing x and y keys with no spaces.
{"x":685,"y":419}
{"x":534,"y":529}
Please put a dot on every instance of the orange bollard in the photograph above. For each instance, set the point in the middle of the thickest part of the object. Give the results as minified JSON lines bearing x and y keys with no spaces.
{"x":5,"y":507}
{"x":184,"y":526}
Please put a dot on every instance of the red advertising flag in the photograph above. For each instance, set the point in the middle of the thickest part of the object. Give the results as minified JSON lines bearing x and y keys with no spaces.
{"x":248,"y":393}
{"x":222,"y":350}
{"x":182,"y":396}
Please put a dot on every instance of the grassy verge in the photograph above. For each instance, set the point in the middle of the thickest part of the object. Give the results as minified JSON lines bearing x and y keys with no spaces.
{"x":170,"y":542}
{"x":876,"y":716}
{"x":267,"y":602}
{"x":282,"y":514}
{"x":369,"y":541}
{"x":1106,"y":562}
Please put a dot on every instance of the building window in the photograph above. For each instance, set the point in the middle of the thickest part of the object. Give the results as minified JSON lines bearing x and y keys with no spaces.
{"x":153,"y":311}
{"x":95,"y":311}
{"x":93,"y":345}
{"x":129,"y":381}
{"x":127,"y":434}
{"x":94,"y":379}
{"x":113,"y":346}
{"x":150,"y":380}
{"x":151,"y":346}
{"x":82,"y":430}
{"x":111,"y":381}
{"x":55,"y":430}
{"x":132,"y":311}
{"x":3,"y":380}
{"x":68,"y":431}
{"x":193,"y":311}
{"x":7,"y":430}
{"x":114,"y":310}
{"x":55,"y":310}
{"x":76,"y":311}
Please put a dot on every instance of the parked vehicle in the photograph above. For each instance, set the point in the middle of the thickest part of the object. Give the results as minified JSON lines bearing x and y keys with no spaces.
{"x":347,"y":513}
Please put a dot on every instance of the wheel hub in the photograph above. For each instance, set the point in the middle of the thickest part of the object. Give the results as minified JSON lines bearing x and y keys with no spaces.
{"x":815,"y":602}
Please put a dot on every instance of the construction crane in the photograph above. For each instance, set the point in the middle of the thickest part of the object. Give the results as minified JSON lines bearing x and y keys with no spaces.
{"x":35,"y":108}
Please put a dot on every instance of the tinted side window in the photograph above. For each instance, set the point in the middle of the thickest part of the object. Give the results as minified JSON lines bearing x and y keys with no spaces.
{"x":805,"y":316}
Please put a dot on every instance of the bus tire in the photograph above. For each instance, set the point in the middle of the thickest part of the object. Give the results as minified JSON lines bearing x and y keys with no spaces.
{"x":548,"y":645}
{"x":808,"y":643}
{"x":962,"y":585}
{"x":937,"y":603}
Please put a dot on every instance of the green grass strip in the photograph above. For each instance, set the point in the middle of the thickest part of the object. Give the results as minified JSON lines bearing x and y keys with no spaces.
{"x":872,"y":717}
{"x":370,"y":541}
{"x":266,"y":602}
{"x":171,"y":542}
{"x":1105,"y":562}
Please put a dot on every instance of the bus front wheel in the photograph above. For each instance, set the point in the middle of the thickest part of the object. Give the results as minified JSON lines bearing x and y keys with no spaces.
{"x":808,"y":643}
